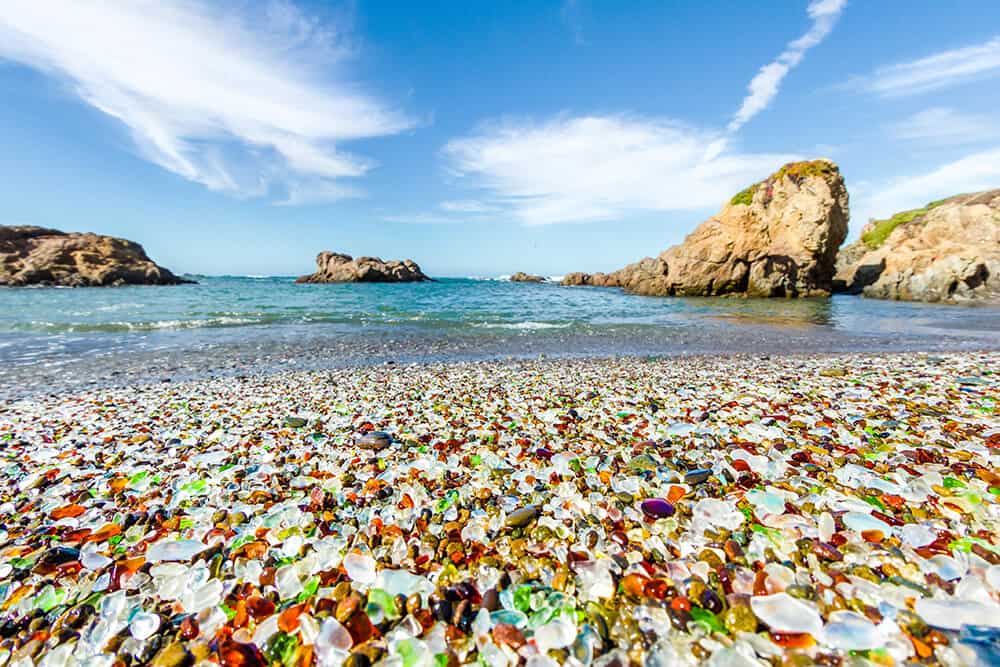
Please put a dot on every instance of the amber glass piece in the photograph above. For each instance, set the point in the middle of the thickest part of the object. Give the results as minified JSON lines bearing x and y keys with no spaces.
{"x":634,"y":584}
{"x":873,"y":536}
{"x":360,"y":627}
{"x":104,"y":533}
{"x":288,"y":621}
{"x":68,"y":511}
{"x":234,"y":654}
{"x":792,"y":640}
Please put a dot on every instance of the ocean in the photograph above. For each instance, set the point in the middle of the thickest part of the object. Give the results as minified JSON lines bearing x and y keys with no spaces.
{"x":56,"y":338}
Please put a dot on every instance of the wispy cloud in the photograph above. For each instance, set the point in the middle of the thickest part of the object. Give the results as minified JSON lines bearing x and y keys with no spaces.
{"x":252,"y":104}
{"x":467,"y":206}
{"x":976,"y":171}
{"x":764,"y":86}
{"x":934,"y":72}
{"x":941,"y":126}
{"x":573,"y":169}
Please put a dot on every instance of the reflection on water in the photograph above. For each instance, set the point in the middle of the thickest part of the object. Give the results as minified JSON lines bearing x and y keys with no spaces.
{"x":774,"y":312}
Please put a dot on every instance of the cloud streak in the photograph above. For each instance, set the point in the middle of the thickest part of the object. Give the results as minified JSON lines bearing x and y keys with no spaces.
{"x":944,"y":126}
{"x":934,"y":72}
{"x":579,"y":169}
{"x":763,"y":88}
{"x":974,"y":172}
{"x":254,"y":104}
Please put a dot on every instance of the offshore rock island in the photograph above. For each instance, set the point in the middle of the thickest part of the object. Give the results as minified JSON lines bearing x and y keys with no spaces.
{"x":334,"y":267}
{"x":38,"y":256}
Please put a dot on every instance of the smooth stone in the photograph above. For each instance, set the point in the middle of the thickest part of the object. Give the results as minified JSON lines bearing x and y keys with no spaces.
{"x":295,"y":422}
{"x":952,"y":614}
{"x":360,"y":568}
{"x":916,"y":535}
{"x":771,"y":503}
{"x":643,"y":462}
{"x":374,"y":440}
{"x":850,"y":631}
{"x":144,"y":625}
{"x":859,"y":521}
{"x":697,"y":476}
{"x":179,"y":551}
{"x":783,"y":613}
{"x":658,"y":508}
{"x":522,"y":517}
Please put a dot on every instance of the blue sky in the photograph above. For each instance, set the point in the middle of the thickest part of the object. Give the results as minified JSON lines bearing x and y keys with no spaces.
{"x":476,"y":138}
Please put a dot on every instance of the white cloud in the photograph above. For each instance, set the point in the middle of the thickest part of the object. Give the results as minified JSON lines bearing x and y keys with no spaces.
{"x":573,"y":169}
{"x":945,"y":126}
{"x":250,"y":104}
{"x":764,"y":86}
{"x":467,"y":206}
{"x":974,"y":172}
{"x":941,"y":70}
{"x":423,"y":218}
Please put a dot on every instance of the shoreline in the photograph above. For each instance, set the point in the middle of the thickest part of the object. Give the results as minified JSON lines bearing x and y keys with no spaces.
{"x":733,"y":507}
{"x":150,"y":361}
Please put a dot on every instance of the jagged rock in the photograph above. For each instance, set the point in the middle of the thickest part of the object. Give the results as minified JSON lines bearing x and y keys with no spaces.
{"x":522,"y":277}
{"x":335,"y":267}
{"x":948,"y":251}
{"x":38,"y":256}
{"x":778,"y":237}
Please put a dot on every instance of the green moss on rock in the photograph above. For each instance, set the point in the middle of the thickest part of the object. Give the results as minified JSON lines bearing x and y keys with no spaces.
{"x":879,"y":231}
{"x":797,"y":171}
{"x":744,"y":196}
{"x":800,"y":170}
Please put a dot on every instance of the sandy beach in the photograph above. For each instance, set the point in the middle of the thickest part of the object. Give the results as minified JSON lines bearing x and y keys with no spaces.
{"x":736,"y":510}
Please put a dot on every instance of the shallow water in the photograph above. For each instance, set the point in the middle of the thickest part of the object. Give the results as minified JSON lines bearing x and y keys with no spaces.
{"x":50,"y":338}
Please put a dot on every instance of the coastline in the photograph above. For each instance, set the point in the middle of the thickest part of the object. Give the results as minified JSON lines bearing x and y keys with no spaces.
{"x":623,"y":507}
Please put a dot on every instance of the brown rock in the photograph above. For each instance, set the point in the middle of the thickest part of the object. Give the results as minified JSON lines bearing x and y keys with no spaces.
{"x":947,"y":251}
{"x":39,"y":256}
{"x":522,"y":277}
{"x":335,"y":267}
{"x":778,"y":237}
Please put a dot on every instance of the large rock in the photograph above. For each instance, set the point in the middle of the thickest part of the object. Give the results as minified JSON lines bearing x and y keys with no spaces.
{"x":39,"y":256}
{"x":522,"y":277}
{"x":778,"y":237}
{"x":946,"y":251}
{"x":335,"y":267}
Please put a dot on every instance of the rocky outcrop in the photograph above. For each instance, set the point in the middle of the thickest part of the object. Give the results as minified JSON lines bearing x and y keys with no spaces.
{"x":522,"y":277}
{"x":948,"y":250}
{"x":778,"y":237}
{"x":39,"y":256}
{"x":335,"y":267}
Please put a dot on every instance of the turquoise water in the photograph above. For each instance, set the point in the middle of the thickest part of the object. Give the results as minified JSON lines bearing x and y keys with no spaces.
{"x":46,"y":333}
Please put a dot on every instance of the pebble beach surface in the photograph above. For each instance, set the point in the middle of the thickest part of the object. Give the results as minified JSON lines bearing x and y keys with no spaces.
{"x":733,"y":511}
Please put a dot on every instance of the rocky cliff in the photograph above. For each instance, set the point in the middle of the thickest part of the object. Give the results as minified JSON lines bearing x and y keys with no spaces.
{"x":949,"y":250}
{"x":334,"y":267}
{"x":778,"y":237}
{"x":39,"y":256}
{"x":522,"y":277}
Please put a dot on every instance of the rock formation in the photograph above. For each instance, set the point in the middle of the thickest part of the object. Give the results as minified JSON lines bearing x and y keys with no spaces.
{"x":39,"y":256}
{"x":522,"y":277}
{"x":335,"y":267}
{"x":948,"y":250}
{"x":776,"y":238}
